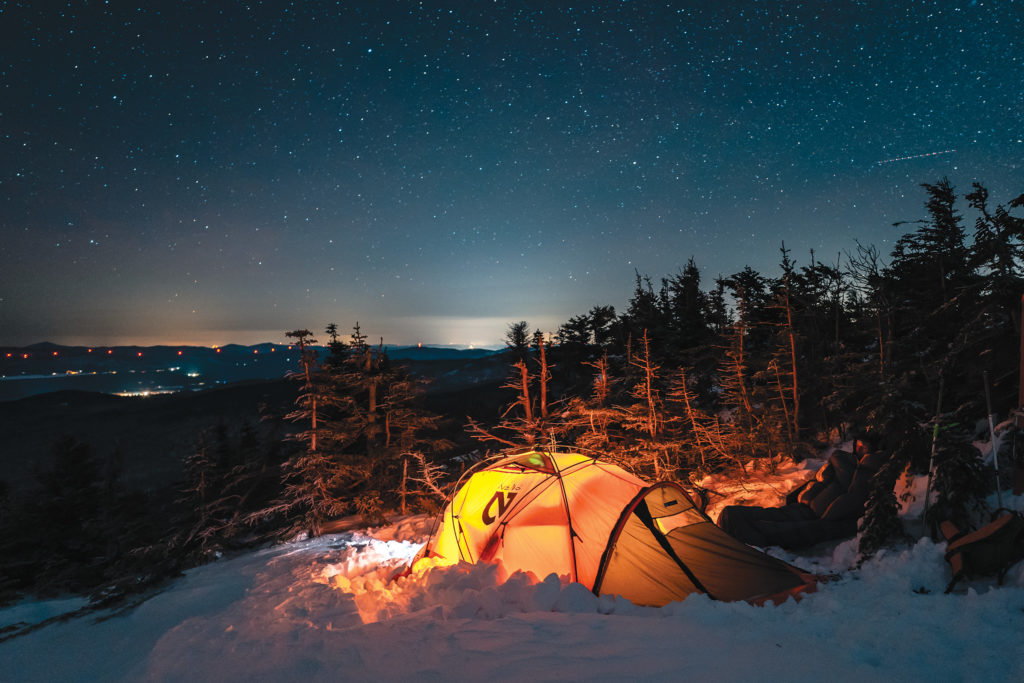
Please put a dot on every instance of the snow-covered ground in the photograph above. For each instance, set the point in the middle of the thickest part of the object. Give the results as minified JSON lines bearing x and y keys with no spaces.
{"x":325,"y":610}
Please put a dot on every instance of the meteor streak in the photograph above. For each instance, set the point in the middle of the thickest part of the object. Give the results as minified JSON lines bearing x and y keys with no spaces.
{"x":914,"y":156}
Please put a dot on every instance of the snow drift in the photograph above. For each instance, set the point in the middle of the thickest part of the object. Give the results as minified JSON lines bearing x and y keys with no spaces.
{"x":324,"y":609}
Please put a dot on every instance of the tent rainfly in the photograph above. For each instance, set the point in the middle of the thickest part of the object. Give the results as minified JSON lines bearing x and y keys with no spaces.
{"x":595,"y":523}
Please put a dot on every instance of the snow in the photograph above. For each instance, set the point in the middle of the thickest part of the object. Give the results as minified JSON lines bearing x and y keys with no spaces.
{"x":326,"y":609}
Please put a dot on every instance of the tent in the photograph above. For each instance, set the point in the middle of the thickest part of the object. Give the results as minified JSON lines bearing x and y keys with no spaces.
{"x":589,"y":520}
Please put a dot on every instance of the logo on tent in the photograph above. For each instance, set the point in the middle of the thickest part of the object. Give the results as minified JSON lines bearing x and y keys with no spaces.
{"x":502,"y":499}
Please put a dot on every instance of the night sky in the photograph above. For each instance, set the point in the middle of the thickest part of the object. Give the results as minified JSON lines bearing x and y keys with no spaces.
{"x":215,"y":172}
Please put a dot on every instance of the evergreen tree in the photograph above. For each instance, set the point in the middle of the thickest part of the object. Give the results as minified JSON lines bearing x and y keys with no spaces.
{"x":381,"y":428}
{"x":77,"y":531}
{"x":961,"y":481}
{"x":644,"y":314}
{"x":314,"y":475}
{"x":880,"y":523}
{"x":602,"y":319}
{"x":930,"y":270}
{"x":735,"y":377}
{"x":573,"y":347}
{"x":644,"y":418}
{"x":590,"y":419}
{"x":718,"y":310}
{"x":687,"y":313}
{"x":699,"y":434}
{"x":517,"y":339}
{"x":997,"y":254}
{"x":337,"y":350}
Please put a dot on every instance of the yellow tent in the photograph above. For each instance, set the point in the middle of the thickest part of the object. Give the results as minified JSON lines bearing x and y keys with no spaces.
{"x":595,"y":523}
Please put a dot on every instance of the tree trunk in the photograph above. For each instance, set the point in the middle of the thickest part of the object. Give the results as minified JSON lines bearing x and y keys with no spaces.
{"x":792,"y":356}
{"x":545,"y":375}
{"x":691,"y":416}
{"x":405,"y":478}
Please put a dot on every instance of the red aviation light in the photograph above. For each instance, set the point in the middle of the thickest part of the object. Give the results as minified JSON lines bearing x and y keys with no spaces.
{"x":179,"y":353}
{"x":140,"y":354}
{"x":10,"y":355}
{"x":55,"y":353}
{"x":255,"y":351}
{"x":110,"y":351}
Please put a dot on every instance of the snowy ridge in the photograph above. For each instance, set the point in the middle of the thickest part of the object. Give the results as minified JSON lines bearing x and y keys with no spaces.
{"x":325,"y":609}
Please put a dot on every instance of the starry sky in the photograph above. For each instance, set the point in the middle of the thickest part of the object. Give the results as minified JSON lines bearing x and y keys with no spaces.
{"x":216,"y":172}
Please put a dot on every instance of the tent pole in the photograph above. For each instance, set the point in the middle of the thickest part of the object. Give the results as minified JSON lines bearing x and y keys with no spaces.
{"x":931,"y":458}
{"x":992,"y":435}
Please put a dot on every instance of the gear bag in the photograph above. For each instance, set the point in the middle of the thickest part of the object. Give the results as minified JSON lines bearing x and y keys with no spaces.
{"x":992,"y":549}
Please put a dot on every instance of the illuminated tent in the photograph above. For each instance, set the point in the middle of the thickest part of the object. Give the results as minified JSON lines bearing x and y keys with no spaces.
{"x":595,"y":523}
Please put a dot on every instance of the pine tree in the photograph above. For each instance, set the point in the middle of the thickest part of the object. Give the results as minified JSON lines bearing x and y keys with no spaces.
{"x":734,"y":379}
{"x":930,"y":270}
{"x":645,"y":313}
{"x":519,"y":426}
{"x":528,"y":421}
{"x":517,"y":339}
{"x":997,"y":254}
{"x":573,"y":348}
{"x":378,"y":426}
{"x":315,"y":475}
{"x":602,"y":321}
{"x":337,"y":350}
{"x":593,"y":417}
{"x":788,"y":351}
{"x":645,"y":418}
{"x":699,"y":433}
{"x":687,"y":313}
{"x":880,"y":523}
{"x":961,"y":481}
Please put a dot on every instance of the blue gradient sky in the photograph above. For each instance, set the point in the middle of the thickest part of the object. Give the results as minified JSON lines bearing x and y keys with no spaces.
{"x":222,"y":172}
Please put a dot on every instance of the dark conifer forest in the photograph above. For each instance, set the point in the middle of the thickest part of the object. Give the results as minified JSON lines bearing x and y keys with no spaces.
{"x":693,"y":377}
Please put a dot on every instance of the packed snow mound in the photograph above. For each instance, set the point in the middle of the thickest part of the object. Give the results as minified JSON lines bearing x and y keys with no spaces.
{"x":327,"y":609}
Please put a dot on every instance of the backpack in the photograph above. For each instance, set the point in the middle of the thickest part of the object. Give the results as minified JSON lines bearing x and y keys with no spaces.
{"x":992,"y":549}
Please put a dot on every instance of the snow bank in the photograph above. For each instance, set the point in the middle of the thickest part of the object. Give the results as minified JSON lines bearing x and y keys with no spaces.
{"x":325,"y":609}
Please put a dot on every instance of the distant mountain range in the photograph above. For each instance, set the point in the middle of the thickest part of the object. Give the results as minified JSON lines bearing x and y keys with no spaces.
{"x":81,"y":392}
{"x":143,"y":370}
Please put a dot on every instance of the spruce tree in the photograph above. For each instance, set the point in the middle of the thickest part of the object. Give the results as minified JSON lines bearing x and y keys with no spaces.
{"x":644,"y":418}
{"x":314,"y":476}
{"x":517,"y":339}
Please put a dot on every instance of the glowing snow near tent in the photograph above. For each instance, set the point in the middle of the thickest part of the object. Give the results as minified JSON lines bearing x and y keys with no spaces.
{"x":325,"y":609}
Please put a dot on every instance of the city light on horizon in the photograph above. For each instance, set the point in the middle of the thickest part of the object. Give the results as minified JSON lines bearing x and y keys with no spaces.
{"x":484,"y":332}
